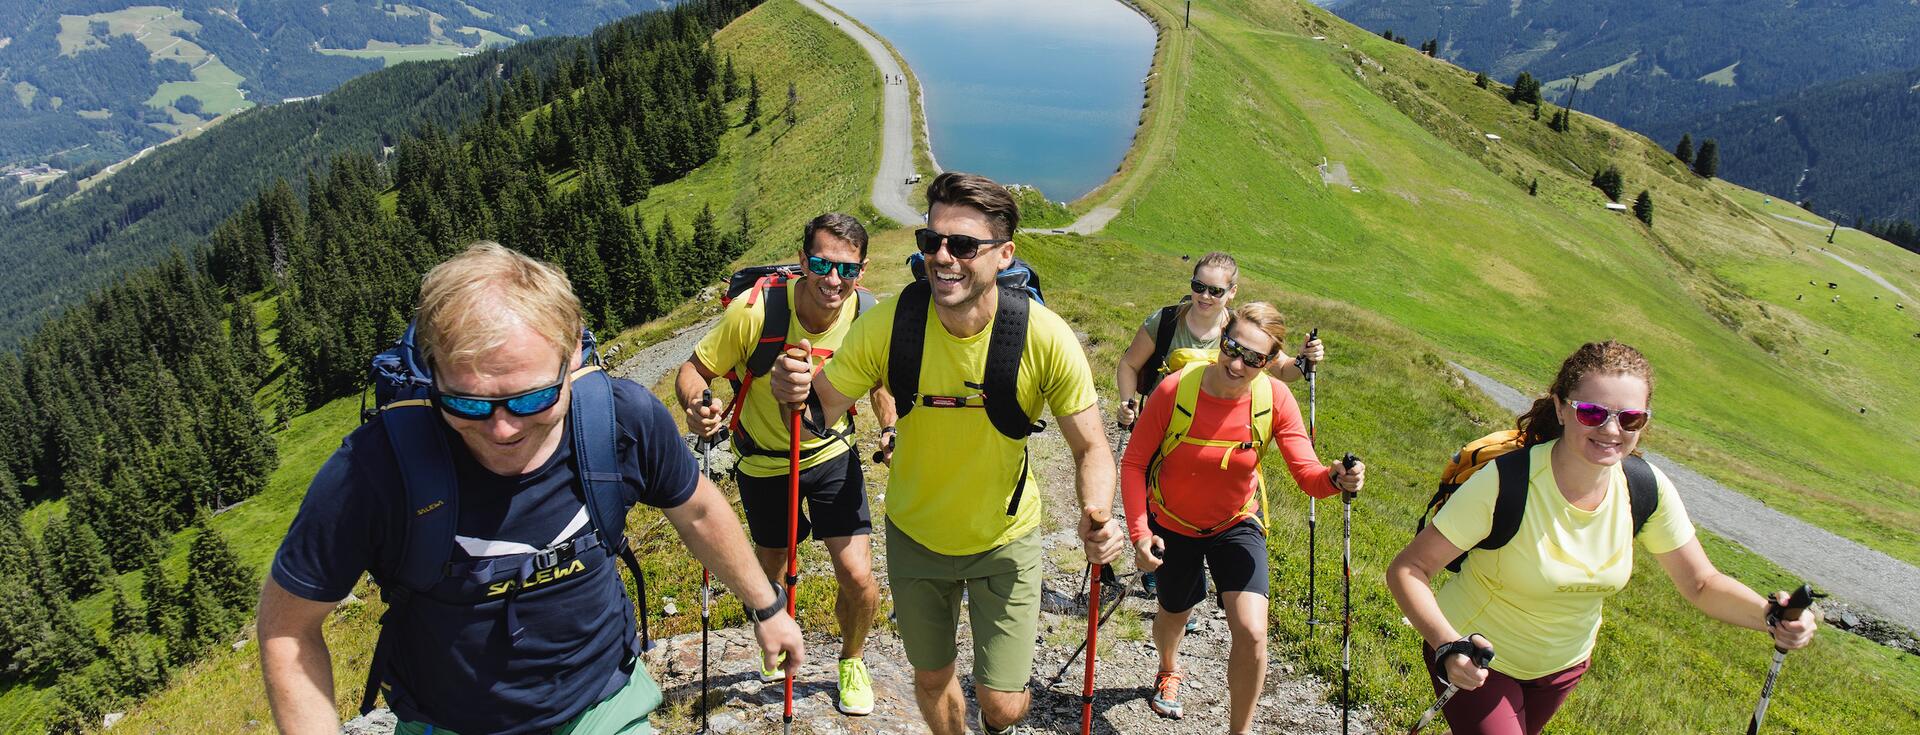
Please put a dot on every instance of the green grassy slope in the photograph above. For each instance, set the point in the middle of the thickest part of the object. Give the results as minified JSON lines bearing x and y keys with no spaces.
{"x":1444,"y":239}
{"x":1441,"y":256}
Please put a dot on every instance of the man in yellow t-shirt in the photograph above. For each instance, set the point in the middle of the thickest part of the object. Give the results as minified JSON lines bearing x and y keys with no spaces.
{"x":820,"y":306}
{"x":962,"y":514}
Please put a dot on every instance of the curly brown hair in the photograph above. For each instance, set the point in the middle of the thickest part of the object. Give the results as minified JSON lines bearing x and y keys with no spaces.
{"x":1541,"y":423}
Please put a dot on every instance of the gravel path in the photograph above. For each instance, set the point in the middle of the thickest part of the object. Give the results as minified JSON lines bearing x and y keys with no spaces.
{"x":656,"y":360}
{"x":890,"y":188}
{"x":1865,"y":578}
{"x":1868,"y":272}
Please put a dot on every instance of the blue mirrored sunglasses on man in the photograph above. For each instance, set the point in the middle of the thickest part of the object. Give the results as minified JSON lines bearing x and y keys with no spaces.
{"x":821,"y":267}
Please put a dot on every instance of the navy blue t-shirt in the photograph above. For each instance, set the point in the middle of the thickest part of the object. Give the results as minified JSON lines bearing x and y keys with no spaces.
{"x":454,"y":665}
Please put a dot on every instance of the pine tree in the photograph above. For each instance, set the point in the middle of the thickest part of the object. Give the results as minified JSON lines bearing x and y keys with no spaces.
{"x":1684,"y":151}
{"x":1533,"y":189}
{"x":126,"y":619}
{"x":753,"y":102}
{"x":1536,"y":111}
{"x":1643,"y":207}
{"x":793,"y":104}
{"x":1480,"y":80}
{"x":730,"y":82}
{"x":1526,"y":90}
{"x":1609,"y":181}
{"x":1387,"y":34}
{"x":211,"y":560}
{"x":163,"y":606}
{"x":1706,"y":162}
{"x":70,"y":643}
{"x":87,"y":557}
{"x":244,"y":331}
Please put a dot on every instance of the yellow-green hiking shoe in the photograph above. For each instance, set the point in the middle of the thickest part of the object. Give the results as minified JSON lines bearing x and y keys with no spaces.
{"x":856,"y":687}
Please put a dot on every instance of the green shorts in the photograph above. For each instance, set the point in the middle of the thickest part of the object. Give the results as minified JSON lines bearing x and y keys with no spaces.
{"x":624,"y":713}
{"x":1002,"y":587}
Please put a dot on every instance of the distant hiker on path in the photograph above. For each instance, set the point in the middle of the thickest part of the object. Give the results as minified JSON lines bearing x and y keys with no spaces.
{"x":1583,"y":497}
{"x":818,"y":306}
{"x":963,"y":521}
{"x":1195,"y":496}
{"x":507,"y":613}
{"x":1185,"y":333}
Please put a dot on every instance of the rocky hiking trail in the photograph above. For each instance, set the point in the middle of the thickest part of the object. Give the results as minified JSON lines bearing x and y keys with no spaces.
{"x":1292,"y":703}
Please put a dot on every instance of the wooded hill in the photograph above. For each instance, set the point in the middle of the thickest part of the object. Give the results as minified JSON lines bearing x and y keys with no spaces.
{"x":101,"y":79}
{"x":141,"y":409}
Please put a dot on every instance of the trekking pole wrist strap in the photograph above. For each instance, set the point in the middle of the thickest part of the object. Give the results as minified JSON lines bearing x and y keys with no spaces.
{"x":1464,"y":647}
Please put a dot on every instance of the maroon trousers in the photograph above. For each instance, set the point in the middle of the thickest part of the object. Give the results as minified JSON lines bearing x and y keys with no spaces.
{"x":1505,"y":705}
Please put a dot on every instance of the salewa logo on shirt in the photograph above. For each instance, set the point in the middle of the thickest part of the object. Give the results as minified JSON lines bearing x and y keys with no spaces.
{"x":431,"y":507}
{"x":1588,"y":588}
{"x":1558,"y":554}
{"x":541,"y":577}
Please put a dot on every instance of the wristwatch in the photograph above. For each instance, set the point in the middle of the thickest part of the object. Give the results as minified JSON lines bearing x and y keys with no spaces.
{"x":763,"y":614}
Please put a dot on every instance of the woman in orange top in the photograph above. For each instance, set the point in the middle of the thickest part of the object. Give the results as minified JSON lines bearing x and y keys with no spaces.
{"x":1190,"y":498}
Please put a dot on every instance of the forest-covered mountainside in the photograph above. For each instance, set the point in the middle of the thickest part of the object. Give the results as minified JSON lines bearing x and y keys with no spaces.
{"x":98,"y":80}
{"x":1720,"y":69}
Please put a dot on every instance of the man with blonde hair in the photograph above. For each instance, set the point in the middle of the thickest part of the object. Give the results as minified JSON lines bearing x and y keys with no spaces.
{"x":521,"y":623}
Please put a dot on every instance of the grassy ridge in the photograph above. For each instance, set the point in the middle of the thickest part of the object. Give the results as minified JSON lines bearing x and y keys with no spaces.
{"x":1444,"y":239}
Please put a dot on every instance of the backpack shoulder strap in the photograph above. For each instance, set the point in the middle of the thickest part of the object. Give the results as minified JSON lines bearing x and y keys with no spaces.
{"x":426,"y":475}
{"x":906,"y":343}
{"x":1511,"y":503}
{"x":595,"y":440}
{"x":1643,"y":490}
{"x":1162,"y":344}
{"x":773,"y":329}
{"x":1260,"y":420}
{"x":1001,"y":384}
{"x":1186,"y":399}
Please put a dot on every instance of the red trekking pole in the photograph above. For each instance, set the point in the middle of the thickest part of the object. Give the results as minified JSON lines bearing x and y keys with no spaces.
{"x":793,"y":548}
{"x":1094,"y":572}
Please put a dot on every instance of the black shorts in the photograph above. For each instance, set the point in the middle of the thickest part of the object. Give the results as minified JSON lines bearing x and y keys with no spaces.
{"x":835,"y":492}
{"x":1237,"y":557}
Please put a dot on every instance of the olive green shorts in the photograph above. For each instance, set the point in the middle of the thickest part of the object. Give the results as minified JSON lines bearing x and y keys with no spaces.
{"x":1002,"y":590}
{"x":624,"y":713}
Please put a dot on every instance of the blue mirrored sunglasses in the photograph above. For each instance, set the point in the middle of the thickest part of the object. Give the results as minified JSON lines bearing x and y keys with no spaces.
{"x":480,"y":409}
{"x":821,"y":266}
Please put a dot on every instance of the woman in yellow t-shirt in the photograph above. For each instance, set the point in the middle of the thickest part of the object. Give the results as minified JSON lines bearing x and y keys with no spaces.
{"x":1537,"y":599}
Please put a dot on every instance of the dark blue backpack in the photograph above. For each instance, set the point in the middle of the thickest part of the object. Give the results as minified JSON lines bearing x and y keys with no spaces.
{"x":1019,"y":275}
{"x":401,"y":384}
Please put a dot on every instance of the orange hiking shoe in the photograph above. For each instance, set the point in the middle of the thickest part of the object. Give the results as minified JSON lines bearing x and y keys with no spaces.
{"x":1165,"y":701}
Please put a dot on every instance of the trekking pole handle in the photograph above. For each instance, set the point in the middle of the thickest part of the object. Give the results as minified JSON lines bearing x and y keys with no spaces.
{"x":1131,"y":404}
{"x":1797,"y":603}
{"x":794,"y":351}
{"x":706,"y":400}
{"x":1348,"y":462}
{"x":1099,"y":516}
{"x":1306,"y":365}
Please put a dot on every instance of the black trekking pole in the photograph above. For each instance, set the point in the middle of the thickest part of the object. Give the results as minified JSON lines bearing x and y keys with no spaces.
{"x":1313,"y":520}
{"x":1108,"y":577}
{"x":1346,"y":590}
{"x":706,"y":577}
{"x":1796,"y":604}
{"x":1481,"y":656}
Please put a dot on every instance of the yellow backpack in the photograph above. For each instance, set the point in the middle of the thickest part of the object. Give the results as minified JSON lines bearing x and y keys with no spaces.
{"x":1259,"y":423}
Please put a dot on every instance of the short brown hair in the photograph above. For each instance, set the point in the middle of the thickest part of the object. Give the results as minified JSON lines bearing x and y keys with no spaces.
{"x":1541,"y":423}
{"x":838,"y":225}
{"x":470,"y":303}
{"x":978,"y":192}
{"x":1262,"y":314}
{"x":1217,"y":259}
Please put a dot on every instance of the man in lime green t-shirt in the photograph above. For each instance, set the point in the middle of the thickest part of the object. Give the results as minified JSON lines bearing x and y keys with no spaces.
{"x":821,"y":305}
{"x":960,"y":515}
